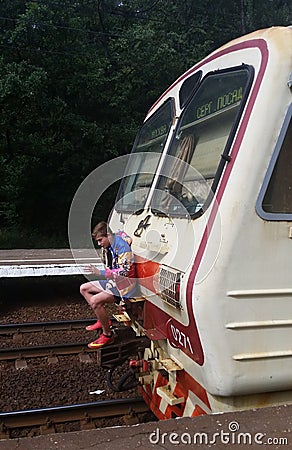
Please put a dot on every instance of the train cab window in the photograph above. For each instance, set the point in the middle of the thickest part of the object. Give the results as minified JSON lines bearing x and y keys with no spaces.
{"x":204,"y":134}
{"x":144,"y":159}
{"x":275,"y":199}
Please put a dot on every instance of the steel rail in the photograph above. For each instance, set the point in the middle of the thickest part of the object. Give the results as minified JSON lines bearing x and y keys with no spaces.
{"x":44,"y":350}
{"x":31,"y":327}
{"x":71,"y":413}
{"x":124,"y":338}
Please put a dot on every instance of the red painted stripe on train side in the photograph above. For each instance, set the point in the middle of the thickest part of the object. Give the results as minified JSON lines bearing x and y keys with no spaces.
{"x":159,"y":318}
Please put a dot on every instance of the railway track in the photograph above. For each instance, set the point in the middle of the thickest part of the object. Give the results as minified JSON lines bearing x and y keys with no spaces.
{"x":33,"y":327}
{"x":47,"y":419}
{"x":30,"y":398}
{"x":53,"y":350}
{"x":37,"y":351}
{"x":41,"y":351}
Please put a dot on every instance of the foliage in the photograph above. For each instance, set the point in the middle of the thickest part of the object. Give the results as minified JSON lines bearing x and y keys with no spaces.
{"x":76,"y":79}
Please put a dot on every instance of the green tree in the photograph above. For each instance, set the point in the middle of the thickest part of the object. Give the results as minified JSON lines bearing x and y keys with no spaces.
{"x":76,"y":80}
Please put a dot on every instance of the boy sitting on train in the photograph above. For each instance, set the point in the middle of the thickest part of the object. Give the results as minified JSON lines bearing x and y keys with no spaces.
{"x":119,"y":282}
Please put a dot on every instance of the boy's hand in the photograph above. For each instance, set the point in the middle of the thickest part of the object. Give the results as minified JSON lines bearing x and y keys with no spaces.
{"x":92,"y":269}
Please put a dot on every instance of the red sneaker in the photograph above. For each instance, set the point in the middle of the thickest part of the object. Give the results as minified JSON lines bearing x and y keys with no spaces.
{"x":97,"y":326}
{"x":101,"y":341}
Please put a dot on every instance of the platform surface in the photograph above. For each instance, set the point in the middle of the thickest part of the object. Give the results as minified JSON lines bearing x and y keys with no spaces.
{"x":254,"y":429}
{"x":42,"y":262}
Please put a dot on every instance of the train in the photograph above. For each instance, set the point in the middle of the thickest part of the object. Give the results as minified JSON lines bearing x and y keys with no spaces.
{"x":207,"y":199}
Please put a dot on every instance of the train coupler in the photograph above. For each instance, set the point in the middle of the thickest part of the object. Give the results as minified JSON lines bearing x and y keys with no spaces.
{"x":110,"y":357}
{"x":140,"y":365}
{"x":143,"y":370}
{"x":126,"y":344}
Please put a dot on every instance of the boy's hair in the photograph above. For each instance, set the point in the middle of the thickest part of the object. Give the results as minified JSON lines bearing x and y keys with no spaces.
{"x":101,"y":229}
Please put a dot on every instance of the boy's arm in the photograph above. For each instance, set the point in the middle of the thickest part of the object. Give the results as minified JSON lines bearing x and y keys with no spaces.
{"x":125,"y":269}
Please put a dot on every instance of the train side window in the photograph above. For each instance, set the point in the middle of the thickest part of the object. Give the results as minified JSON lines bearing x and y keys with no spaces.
{"x":201,"y":143}
{"x":275,"y":199}
{"x":144,"y":159}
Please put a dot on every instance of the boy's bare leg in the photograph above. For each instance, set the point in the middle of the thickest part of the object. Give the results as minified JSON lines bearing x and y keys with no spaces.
{"x":87,"y":290}
{"x":97,"y":303}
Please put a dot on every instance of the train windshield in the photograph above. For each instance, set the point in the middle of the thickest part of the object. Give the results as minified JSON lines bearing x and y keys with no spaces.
{"x":144,"y":159}
{"x":204,"y":134}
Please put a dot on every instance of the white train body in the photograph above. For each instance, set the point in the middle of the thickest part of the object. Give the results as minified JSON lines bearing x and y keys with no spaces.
{"x":213,"y":239}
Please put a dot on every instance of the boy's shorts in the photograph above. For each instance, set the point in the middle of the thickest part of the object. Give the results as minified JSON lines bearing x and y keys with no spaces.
{"x":110,"y":286}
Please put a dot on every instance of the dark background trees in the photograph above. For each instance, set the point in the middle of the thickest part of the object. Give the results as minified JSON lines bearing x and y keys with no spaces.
{"x":76,"y":80}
